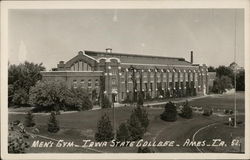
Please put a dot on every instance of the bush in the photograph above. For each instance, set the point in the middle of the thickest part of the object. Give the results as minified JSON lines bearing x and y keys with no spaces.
{"x":29,"y":120}
{"x":208,"y":112}
{"x":186,"y":111}
{"x":104,"y":129}
{"x":142,"y":116}
{"x":170,"y":112}
{"x":17,"y":138}
{"x":140,"y":99}
{"x":144,"y":150}
{"x":53,"y":125}
{"x":135,"y":128}
{"x":123,"y":133}
{"x":106,"y":102}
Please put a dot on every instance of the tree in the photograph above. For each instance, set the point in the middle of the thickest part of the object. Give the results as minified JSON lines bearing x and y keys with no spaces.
{"x":142,"y":116}
{"x":29,"y":120}
{"x":53,"y":124}
{"x":79,"y":99}
{"x":140,"y":99}
{"x":224,"y":71}
{"x":170,"y":112}
{"x":221,"y":84}
{"x":135,"y":128}
{"x":106,"y":102}
{"x":50,"y":95}
{"x":186,"y":111}
{"x":240,"y":81}
{"x":104,"y":129}
{"x":21,"y":78}
{"x":211,"y":69}
{"x":123,"y":133}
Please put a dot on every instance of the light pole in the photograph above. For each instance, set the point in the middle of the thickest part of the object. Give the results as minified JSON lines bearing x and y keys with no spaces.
{"x":114,"y":92}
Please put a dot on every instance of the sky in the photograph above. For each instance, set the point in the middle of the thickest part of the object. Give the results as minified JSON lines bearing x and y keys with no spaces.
{"x":49,"y":36}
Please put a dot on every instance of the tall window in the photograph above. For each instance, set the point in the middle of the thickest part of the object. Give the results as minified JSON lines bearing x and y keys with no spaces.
{"x":89,"y":83}
{"x":82,"y":83}
{"x":170,"y":77}
{"x":96,"y":83}
{"x":113,"y":81}
{"x":74,"y":83}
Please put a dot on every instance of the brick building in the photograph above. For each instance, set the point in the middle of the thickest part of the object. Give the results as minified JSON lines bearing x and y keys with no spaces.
{"x":123,"y":76}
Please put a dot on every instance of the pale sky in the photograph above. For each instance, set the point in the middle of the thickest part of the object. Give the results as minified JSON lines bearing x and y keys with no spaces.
{"x":49,"y":36}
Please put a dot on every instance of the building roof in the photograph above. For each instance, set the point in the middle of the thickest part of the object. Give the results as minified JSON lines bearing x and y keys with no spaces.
{"x":140,"y":59}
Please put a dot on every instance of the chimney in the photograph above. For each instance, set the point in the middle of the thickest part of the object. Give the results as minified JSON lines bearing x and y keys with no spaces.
{"x":191,"y":57}
{"x":108,"y":50}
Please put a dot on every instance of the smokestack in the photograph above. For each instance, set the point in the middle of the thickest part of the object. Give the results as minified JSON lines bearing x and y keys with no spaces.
{"x":191,"y":57}
{"x":108,"y":50}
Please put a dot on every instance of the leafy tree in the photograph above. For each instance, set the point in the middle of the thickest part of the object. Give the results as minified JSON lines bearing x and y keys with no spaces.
{"x":22,"y":77}
{"x":135,"y":128}
{"x":123,"y":133}
{"x":142,"y":116}
{"x":240,"y":81}
{"x":170,"y":112}
{"x":20,"y":97}
{"x":50,"y":95}
{"x":224,"y":71}
{"x":211,"y":69}
{"x":79,"y":99}
{"x":186,"y":111}
{"x":29,"y":120}
{"x":106,"y":102}
{"x":53,"y":125}
{"x":104,"y":129}
{"x":221,"y":84}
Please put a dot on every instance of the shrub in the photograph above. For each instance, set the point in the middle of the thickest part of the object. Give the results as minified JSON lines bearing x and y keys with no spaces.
{"x":140,"y":99}
{"x":208,"y":112}
{"x":106,"y":102}
{"x":104,"y":129}
{"x":186,"y":111}
{"x":135,"y":128}
{"x":17,"y":138}
{"x":142,"y":116}
{"x":53,"y":125}
{"x":170,"y":112}
{"x":123,"y":133}
{"x":144,"y":150}
{"x":29,"y":120}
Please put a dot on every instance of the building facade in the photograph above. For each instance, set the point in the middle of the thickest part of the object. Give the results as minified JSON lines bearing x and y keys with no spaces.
{"x":122,"y":77}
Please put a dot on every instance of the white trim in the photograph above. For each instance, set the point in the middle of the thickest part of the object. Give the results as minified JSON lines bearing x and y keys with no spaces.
{"x":170,"y":65}
{"x":84,"y":54}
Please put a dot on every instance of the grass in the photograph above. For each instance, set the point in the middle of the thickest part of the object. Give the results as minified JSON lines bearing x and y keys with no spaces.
{"x":82,"y":125}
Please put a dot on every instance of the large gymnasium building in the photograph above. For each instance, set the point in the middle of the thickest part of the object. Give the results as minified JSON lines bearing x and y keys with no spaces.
{"x":122,"y":77}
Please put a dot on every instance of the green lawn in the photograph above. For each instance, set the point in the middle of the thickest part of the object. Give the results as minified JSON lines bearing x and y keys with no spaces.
{"x":82,"y":125}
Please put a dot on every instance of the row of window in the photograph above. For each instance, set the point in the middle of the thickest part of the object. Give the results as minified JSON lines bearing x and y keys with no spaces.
{"x":81,"y":66}
{"x":145,"y":77}
{"x":82,"y":83}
